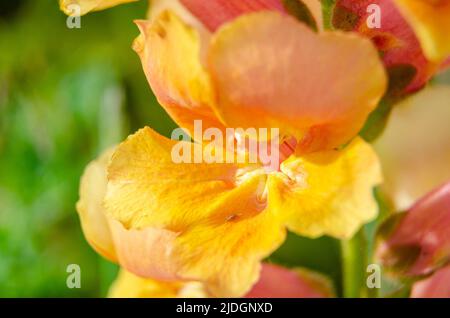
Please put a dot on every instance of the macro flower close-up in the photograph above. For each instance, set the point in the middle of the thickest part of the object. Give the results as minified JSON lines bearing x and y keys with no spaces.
{"x":226,"y":149}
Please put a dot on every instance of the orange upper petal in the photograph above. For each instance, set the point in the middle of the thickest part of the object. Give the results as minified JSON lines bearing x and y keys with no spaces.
{"x":89,"y":5}
{"x":430,"y":19}
{"x":327,"y":193}
{"x":170,"y":55}
{"x":90,"y":207}
{"x":270,"y":70}
{"x":278,"y":282}
{"x":172,"y":221}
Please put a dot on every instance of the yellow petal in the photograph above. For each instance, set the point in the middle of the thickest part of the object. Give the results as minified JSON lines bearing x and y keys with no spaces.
{"x":269,"y":70}
{"x":430,"y":19}
{"x":170,"y":55}
{"x":90,"y":207}
{"x":128,"y":285}
{"x":328,"y":193}
{"x":415,"y":147}
{"x":189,"y":221}
{"x":88,"y":5}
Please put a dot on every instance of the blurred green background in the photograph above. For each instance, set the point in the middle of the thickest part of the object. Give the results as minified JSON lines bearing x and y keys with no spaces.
{"x":65,"y":95}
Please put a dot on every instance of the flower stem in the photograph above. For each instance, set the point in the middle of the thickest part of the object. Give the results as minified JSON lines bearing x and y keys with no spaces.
{"x":353,"y":256}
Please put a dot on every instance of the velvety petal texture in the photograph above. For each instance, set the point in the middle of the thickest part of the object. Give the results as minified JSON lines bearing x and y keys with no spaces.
{"x":89,"y":5}
{"x":328,"y":193}
{"x":418,"y":242}
{"x":430,"y":19}
{"x":198,"y":221}
{"x":275,"y":282}
{"x":214,"y":13}
{"x":269,"y":70}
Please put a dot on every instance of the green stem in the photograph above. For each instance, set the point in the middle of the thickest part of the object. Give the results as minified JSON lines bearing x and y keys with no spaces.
{"x":353,"y":255}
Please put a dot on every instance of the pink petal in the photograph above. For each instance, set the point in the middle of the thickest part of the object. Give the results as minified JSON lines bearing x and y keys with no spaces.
{"x":436,"y":286}
{"x":395,"y":39}
{"x":214,"y":13}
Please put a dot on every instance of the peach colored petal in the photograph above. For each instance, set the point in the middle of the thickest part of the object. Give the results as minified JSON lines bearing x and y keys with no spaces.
{"x":278,"y":282}
{"x":146,"y":252}
{"x":269,"y":70}
{"x":90,"y":207}
{"x":327,"y":193}
{"x":418,"y":242}
{"x":435,"y":286}
{"x":170,"y":55}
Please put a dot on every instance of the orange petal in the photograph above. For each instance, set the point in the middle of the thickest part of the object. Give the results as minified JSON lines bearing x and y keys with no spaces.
{"x":170,"y":55}
{"x":327,"y":193}
{"x":418,"y":242}
{"x":90,"y":207}
{"x":278,"y":282}
{"x":435,"y":286}
{"x":88,"y":5}
{"x":269,"y":70}
{"x":430,"y":20}
{"x":174,"y":220}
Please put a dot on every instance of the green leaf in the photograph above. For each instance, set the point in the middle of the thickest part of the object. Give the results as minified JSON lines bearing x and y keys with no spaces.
{"x":400,"y":76}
